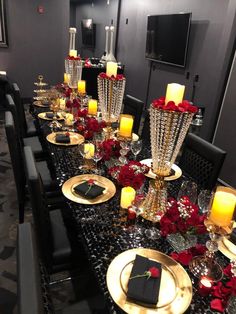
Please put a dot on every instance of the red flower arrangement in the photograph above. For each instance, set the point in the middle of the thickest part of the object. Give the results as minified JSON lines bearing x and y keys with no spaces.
{"x":182,"y":217}
{"x":186,"y":256}
{"x":64,"y":89}
{"x":89,"y":126}
{"x":111,"y":149}
{"x":73,"y":58}
{"x":118,"y":77}
{"x":184,"y":106}
{"x":131,"y":174}
{"x":75,"y":103}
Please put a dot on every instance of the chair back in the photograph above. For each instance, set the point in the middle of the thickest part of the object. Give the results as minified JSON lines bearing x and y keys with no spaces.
{"x":146,"y":128}
{"x":201,"y":160}
{"x":19,"y":108}
{"x":134,"y":107}
{"x":11,"y":106}
{"x":39,"y":207}
{"x":15,"y":150}
{"x":30,"y":297}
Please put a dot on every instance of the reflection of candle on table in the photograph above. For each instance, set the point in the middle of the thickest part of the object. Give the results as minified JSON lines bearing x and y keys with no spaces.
{"x":127,"y":196}
{"x":223,"y":206}
{"x":92,"y":107}
{"x":126,"y":125}
{"x":111,"y":68}
{"x":174,"y":92}
{"x":89,"y":150}
{"x":82,"y":87}
{"x":73,"y":53}
{"x":205,"y":286}
{"x":66,"y":78}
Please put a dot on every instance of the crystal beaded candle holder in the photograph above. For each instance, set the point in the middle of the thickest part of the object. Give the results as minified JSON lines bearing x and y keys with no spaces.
{"x":167,"y":130}
{"x":110,"y":95}
{"x":73,"y":68}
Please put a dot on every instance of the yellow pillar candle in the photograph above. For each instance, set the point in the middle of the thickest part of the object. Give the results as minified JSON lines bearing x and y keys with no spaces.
{"x":92,"y":107}
{"x":62,"y":103}
{"x":127,"y":196}
{"x":174,"y":92}
{"x":82,"y":87}
{"x":223,"y":206}
{"x":66,"y":78}
{"x":69,"y":119}
{"x":126,"y":125}
{"x":111,"y":68}
{"x":89,"y":150}
{"x":73,"y":53}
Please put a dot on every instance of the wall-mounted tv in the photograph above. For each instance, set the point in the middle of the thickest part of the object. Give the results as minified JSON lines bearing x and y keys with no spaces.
{"x":167,"y":38}
{"x":88,"y":33}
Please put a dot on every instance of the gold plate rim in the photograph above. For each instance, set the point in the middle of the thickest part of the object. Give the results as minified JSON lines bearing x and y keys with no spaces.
{"x":183,"y":296}
{"x":78,"y":138}
{"x":38,"y":104}
{"x":67,"y":189}
{"x":42,"y":115}
{"x":223,"y":248}
{"x":150,"y":174}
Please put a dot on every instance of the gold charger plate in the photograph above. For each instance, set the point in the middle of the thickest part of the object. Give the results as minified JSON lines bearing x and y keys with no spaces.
{"x":38,"y":103}
{"x":68,"y":189}
{"x":75,"y":139}
{"x":175,"y":291}
{"x":42,"y":115}
{"x":150,"y":174}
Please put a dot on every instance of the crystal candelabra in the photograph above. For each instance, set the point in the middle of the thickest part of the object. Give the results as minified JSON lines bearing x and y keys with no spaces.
{"x":110,"y":56}
{"x":219,"y":223}
{"x":105,"y":54}
{"x":168,"y":128}
{"x":110,"y":95}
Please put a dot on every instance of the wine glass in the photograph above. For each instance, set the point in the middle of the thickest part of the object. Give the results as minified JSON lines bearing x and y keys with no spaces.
{"x":84,"y":149}
{"x":136,"y":147}
{"x":203,"y":200}
{"x":97,"y":156}
{"x":189,"y":189}
{"x":125,"y":146}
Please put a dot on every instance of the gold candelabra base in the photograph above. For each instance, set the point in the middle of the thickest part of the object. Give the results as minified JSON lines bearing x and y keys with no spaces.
{"x":155,"y":202}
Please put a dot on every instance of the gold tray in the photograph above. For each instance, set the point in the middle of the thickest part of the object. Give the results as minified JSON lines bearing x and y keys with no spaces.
{"x":75,"y":139}
{"x":42,"y":115}
{"x":150,"y":174}
{"x":68,"y":189}
{"x":38,"y":103}
{"x":175,"y":291}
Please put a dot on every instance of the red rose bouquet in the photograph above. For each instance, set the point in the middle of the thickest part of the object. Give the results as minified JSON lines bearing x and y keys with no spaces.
{"x":111,"y":149}
{"x":184,"y":106}
{"x":131,"y":174}
{"x":182,"y":217}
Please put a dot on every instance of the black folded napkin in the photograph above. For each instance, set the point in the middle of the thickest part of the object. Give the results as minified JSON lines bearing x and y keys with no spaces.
{"x":232,"y":237}
{"x":50,"y":115}
{"x":62,"y":138}
{"x":143,"y":290}
{"x":88,"y":191}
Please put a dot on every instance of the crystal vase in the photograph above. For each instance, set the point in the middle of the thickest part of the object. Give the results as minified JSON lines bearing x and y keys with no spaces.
{"x":73,"y":69}
{"x":110,"y":95}
{"x":168,"y":129}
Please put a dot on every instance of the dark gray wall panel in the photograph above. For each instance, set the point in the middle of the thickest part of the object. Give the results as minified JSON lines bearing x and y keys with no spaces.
{"x":102,"y":14}
{"x":210,"y":41}
{"x":38,"y":43}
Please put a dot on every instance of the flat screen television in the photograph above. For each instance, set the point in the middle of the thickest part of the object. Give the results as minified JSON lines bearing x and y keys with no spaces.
{"x":167,"y":38}
{"x":88,"y":33}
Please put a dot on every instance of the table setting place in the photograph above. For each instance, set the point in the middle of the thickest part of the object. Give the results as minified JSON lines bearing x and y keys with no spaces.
{"x":151,"y":252}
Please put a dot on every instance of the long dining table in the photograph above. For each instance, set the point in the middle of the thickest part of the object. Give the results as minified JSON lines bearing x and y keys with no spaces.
{"x":102,"y":226}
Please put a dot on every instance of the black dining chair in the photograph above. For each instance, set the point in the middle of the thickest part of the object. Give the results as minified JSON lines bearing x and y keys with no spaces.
{"x":32,"y":141}
{"x":32,"y":284}
{"x":16,"y":153}
{"x":49,"y":225}
{"x":26,"y":125}
{"x":134,"y":107}
{"x":145,"y":134}
{"x":200,"y":161}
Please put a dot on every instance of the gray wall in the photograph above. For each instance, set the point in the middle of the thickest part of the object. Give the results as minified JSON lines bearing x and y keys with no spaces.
{"x":210,"y":45}
{"x":102,"y":14}
{"x":38,"y":43}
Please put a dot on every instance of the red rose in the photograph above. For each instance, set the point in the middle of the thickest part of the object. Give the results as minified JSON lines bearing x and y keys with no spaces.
{"x":90,"y":182}
{"x":103,"y":75}
{"x":155,"y":272}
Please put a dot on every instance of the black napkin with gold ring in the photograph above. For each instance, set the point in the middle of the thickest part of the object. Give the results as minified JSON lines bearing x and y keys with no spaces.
{"x":89,"y":189}
{"x":62,"y":138}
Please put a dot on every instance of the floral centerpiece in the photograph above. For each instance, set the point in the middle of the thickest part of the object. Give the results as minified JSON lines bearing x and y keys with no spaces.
{"x":182,"y":217}
{"x":132,"y":174}
{"x":111,"y":149}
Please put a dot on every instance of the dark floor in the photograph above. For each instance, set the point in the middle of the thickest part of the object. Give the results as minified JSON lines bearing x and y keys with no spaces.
{"x":86,"y":300}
